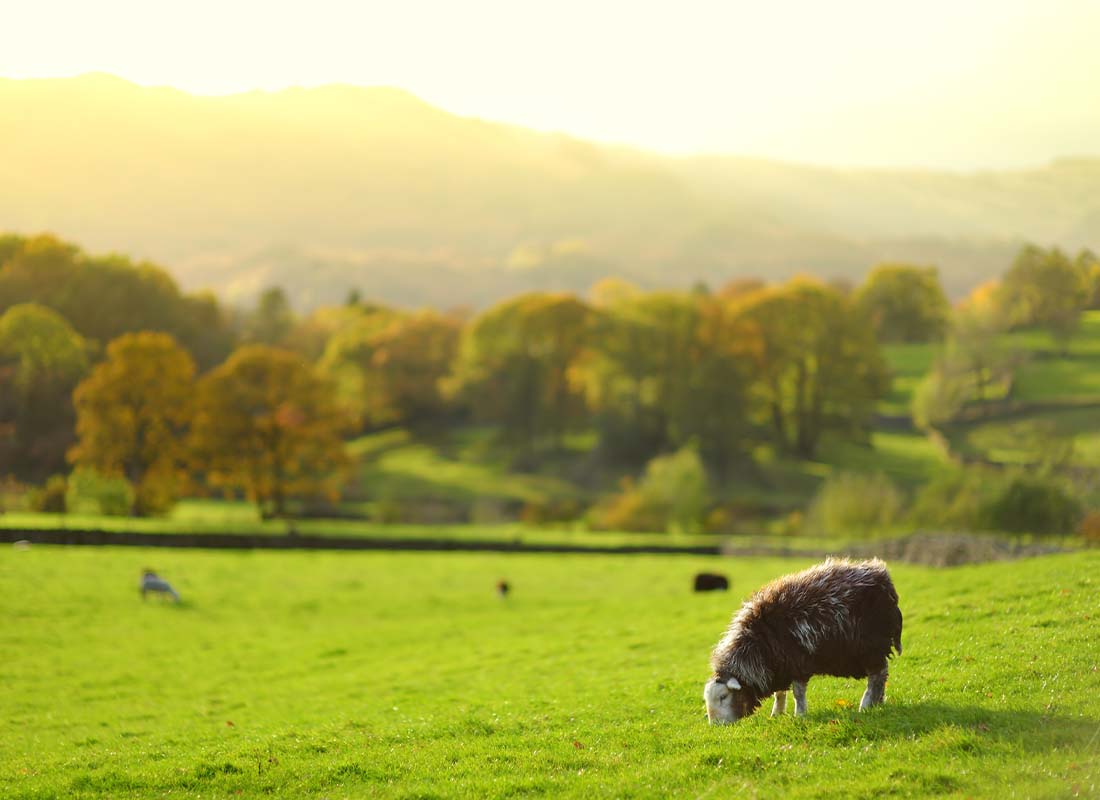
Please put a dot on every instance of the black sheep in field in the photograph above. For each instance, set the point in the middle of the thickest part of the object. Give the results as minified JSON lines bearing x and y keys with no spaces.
{"x":711,"y":582}
{"x":837,"y":618}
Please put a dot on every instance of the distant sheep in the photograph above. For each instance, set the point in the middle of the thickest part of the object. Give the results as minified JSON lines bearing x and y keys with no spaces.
{"x":711,"y":582}
{"x":837,"y":618}
{"x":152,"y":583}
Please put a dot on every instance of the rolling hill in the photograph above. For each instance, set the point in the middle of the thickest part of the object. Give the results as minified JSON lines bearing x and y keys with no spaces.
{"x":327,"y":189}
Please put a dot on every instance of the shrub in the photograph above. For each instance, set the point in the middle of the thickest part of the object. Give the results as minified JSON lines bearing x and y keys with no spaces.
{"x":958,"y":500}
{"x":1034,"y":505}
{"x":855,"y":504}
{"x":50,"y":498}
{"x":677,"y":483}
{"x":1089,"y":528}
{"x":673,"y":496}
{"x":629,"y":510}
{"x":91,"y":492}
{"x":549,"y":512}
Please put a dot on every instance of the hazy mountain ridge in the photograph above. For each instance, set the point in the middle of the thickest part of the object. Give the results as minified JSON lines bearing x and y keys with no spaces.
{"x":324,"y":189}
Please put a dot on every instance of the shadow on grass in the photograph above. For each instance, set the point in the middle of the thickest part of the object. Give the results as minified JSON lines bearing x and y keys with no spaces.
{"x":1031,"y":731}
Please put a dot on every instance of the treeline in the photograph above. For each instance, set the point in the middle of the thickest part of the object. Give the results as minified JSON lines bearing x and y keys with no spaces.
{"x":106,"y":367}
{"x":1042,"y":289}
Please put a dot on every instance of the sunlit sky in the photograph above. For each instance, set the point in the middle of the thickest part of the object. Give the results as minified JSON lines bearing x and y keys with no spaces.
{"x":950,"y":83}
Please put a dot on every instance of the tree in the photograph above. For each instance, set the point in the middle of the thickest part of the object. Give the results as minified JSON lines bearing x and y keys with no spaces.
{"x":348,"y":351}
{"x":132,"y":416}
{"x":267,"y":424}
{"x":516,"y":364}
{"x":1088,"y":264}
{"x":818,"y":366}
{"x":905,"y":303}
{"x":103,"y":297}
{"x":409,"y":359}
{"x":669,"y":369}
{"x":41,"y":359}
{"x":273,"y":319}
{"x":1046,"y":289}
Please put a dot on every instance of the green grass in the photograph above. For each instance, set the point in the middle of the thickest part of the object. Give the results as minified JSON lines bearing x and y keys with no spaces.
{"x":1052,"y":375}
{"x":1036,"y":437}
{"x":907,"y":458}
{"x":396,"y":675}
{"x":908,"y":364}
{"x":461,"y":467}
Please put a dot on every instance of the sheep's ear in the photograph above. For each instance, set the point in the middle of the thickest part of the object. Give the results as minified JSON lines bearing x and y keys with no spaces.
{"x":733,"y":684}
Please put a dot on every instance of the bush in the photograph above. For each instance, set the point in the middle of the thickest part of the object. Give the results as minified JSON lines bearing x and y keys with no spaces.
{"x":673,"y":496}
{"x":393,"y":510}
{"x":50,"y":498}
{"x":93,"y":493}
{"x":629,"y":510}
{"x":1035,"y":505}
{"x":677,"y":483}
{"x":1089,"y":528}
{"x":549,"y":512}
{"x":958,"y":501}
{"x":855,"y":504}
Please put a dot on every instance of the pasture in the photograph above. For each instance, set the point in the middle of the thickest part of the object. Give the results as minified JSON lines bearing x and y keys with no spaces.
{"x":403,"y":675}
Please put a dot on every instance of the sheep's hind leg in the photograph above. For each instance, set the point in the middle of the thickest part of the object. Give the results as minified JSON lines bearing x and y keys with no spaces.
{"x":779,"y":707}
{"x":799,"y":689}
{"x":876,"y":689}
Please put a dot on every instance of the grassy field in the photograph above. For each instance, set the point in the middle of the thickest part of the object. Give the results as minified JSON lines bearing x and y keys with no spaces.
{"x":396,"y":675}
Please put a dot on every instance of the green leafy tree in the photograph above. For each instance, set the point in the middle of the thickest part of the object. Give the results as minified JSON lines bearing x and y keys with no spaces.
{"x":104,"y":297}
{"x":272,"y":321}
{"x":818,"y":365}
{"x":267,"y":424}
{"x":1044,"y":288}
{"x":132,"y":417}
{"x":668,"y":369}
{"x":348,"y":353}
{"x":409,"y":360}
{"x":516,"y":367}
{"x":905,"y":303}
{"x":41,"y":359}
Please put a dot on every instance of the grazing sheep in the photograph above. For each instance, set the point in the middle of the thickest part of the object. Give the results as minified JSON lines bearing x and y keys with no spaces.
{"x":151,"y":582}
{"x":711,"y":582}
{"x":837,"y":618}
{"x":503,"y":588}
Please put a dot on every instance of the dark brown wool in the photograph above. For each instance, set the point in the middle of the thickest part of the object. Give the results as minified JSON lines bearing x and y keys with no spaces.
{"x":837,"y":618}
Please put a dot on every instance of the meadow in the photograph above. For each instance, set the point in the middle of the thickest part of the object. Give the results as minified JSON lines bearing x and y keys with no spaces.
{"x":403,"y":675}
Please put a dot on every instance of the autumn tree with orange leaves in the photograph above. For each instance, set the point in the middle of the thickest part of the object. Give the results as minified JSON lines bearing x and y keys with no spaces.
{"x":132,"y":414}
{"x":267,"y":424}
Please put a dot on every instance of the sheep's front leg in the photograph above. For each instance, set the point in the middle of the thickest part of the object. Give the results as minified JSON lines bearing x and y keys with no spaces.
{"x":876,"y":689}
{"x":799,"y":689}
{"x":780,"y":704}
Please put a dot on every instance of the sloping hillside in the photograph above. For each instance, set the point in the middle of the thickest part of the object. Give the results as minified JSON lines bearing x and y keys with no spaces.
{"x":326,"y":189}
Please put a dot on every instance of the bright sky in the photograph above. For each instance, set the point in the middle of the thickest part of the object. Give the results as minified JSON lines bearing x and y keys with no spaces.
{"x":957,"y":83}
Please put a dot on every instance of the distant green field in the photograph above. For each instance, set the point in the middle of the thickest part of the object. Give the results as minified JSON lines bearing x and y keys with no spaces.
{"x":396,"y":466}
{"x":1038,"y":436}
{"x":908,"y":364}
{"x":1050,"y":375}
{"x":310,"y":675}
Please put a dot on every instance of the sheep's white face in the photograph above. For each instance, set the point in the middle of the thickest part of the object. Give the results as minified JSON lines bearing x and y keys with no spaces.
{"x":728,"y":701}
{"x":719,"y":699}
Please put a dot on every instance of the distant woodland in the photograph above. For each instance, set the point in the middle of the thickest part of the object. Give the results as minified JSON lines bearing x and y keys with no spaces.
{"x":117,"y":386}
{"x":328,"y":190}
